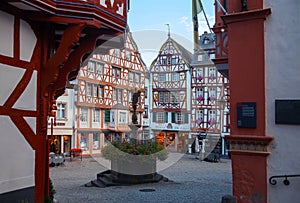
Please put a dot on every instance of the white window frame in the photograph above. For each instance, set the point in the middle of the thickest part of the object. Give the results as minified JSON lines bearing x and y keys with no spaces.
{"x":84,"y":115}
{"x":160,"y":117}
{"x":61,"y":110}
{"x":95,"y":90}
{"x":96,"y":115}
{"x":99,"y":68}
{"x":122,"y":117}
{"x":166,"y":97}
{"x":91,"y":66}
{"x":89,"y":89}
{"x":162,"y":77}
{"x":179,"y":118}
{"x":175,"y":77}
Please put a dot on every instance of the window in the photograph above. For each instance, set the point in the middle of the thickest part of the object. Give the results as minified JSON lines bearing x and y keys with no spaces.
{"x":199,"y":92}
{"x":166,"y":97}
{"x":212,"y":73}
{"x":131,"y":75}
{"x":199,"y":57}
{"x":164,"y":61}
{"x":127,"y":55}
{"x":99,"y":68}
{"x":174,"y":97}
{"x":96,"y":115}
{"x":116,"y":72}
{"x":161,"y":97}
{"x":160,"y":117}
{"x":199,"y":72}
{"x":61,"y":111}
{"x":175,"y":77}
{"x":84,"y":141}
{"x":122,"y":118}
{"x":137,"y":77}
{"x":84,"y":115}
{"x":162,"y":77}
{"x":96,"y":141}
{"x":212,"y":93}
{"x":89,"y":89}
{"x":179,"y":118}
{"x":95,"y":90}
{"x":91,"y":66}
{"x":101,"y":91}
{"x":212,"y":116}
{"x":119,"y":95}
{"x":199,"y":115}
{"x":174,"y":60}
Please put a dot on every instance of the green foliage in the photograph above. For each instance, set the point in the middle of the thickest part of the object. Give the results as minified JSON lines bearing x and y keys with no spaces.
{"x":49,"y":199}
{"x":121,"y":150}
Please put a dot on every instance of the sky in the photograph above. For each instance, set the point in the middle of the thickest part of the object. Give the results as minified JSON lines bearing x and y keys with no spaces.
{"x":147,"y":21}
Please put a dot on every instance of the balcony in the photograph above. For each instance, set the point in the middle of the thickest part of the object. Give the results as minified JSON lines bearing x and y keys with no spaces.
{"x":83,"y":9}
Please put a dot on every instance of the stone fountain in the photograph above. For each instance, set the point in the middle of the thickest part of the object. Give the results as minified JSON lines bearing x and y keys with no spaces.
{"x":133,"y":169}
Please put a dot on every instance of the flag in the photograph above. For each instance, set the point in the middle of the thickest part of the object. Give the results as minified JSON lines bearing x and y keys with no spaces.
{"x":196,"y":9}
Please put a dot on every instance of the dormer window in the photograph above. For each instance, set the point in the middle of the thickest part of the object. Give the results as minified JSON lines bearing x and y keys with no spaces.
{"x":199,"y":57}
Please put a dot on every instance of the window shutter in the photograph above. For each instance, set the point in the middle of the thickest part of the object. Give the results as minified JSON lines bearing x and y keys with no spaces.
{"x":107,"y":116}
{"x":173,"y":117}
{"x":186,"y":118}
{"x":166,"y":117}
{"x":154,"y":117}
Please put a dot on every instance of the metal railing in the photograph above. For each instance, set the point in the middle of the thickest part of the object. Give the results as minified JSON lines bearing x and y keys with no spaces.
{"x":273,"y":181}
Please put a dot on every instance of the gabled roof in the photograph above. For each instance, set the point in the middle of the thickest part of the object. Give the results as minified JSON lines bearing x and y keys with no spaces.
{"x":186,"y":55}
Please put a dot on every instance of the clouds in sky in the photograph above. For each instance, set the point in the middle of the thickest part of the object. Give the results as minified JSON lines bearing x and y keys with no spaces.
{"x":188,"y":24}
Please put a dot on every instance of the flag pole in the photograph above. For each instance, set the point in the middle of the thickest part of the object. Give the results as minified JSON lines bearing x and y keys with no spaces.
{"x":206,"y":19}
{"x":195,"y":25}
{"x":223,"y":9}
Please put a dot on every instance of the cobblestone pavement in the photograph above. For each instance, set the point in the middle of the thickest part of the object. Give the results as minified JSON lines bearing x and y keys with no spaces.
{"x":191,"y":180}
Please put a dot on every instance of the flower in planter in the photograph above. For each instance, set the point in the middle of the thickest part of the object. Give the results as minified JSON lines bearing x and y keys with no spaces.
{"x":199,"y":77}
{"x":200,"y":98}
{"x":124,"y":150}
{"x":212,"y":98}
{"x":199,"y":121}
{"x":212,"y":77}
{"x":211,"y":121}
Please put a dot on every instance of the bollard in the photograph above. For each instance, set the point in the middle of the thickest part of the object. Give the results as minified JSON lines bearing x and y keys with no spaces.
{"x":228,"y":199}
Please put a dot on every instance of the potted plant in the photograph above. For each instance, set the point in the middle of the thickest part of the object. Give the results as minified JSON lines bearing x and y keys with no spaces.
{"x":134,"y":158}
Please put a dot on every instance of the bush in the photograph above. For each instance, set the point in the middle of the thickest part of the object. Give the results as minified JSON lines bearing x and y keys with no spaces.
{"x":121,"y":150}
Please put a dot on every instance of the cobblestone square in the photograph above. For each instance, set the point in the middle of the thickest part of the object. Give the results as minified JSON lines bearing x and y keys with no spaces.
{"x":190,"y":180}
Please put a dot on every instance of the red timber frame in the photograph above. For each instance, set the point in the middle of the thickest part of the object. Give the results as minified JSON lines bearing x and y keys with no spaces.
{"x":211,"y":79}
{"x":66,"y":31}
{"x":249,"y":147}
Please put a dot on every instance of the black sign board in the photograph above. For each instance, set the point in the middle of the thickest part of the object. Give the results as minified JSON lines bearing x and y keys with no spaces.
{"x":287,"y":112}
{"x":246,"y":115}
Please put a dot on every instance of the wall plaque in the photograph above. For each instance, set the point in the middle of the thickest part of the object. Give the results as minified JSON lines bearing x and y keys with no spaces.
{"x":246,"y":115}
{"x":287,"y":112}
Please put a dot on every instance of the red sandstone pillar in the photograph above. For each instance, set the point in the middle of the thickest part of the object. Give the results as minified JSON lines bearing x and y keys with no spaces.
{"x":249,"y":146}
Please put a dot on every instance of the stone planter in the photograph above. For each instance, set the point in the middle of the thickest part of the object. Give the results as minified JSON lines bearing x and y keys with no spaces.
{"x":134,"y":169}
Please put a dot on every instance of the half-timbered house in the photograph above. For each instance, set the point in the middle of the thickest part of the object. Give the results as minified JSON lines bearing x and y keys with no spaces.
{"x":42,"y":45}
{"x":105,"y":85}
{"x":170,"y":101}
{"x":209,"y":95}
